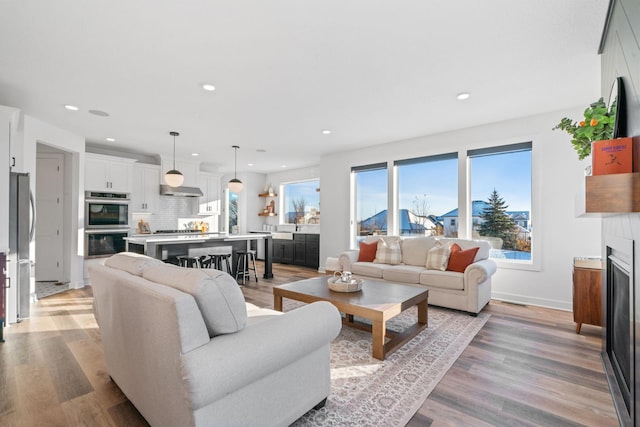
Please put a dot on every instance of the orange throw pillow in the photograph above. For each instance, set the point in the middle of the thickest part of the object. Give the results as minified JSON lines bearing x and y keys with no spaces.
{"x":368,"y":251}
{"x":455,"y":248}
{"x":460,"y":260}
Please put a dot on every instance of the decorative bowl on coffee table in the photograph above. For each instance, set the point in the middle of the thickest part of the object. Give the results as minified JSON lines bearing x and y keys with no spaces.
{"x":336,"y":284}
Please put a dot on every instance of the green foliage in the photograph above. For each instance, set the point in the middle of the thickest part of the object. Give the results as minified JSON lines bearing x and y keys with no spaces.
{"x":597,"y":126}
{"x":497,"y":223}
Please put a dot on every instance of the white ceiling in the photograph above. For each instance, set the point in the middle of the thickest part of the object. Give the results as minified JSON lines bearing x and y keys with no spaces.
{"x":371,"y":71}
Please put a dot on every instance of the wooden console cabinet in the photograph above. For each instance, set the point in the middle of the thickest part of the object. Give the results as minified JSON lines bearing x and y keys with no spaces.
{"x":587,"y":295}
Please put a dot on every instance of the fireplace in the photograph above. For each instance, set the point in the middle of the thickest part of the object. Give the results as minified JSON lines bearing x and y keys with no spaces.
{"x":619,"y":334}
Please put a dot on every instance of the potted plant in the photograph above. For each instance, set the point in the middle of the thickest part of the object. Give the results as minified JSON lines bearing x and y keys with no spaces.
{"x":597,"y":125}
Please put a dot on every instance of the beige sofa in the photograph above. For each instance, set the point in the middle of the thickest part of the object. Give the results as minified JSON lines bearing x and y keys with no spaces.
{"x":187,"y":350}
{"x":469,"y":291}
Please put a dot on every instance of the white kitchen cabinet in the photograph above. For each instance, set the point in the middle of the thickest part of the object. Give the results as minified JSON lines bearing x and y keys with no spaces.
{"x":210,"y":202}
{"x":145,"y":190}
{"x":107,"y":173}
{"x":188,"y":168}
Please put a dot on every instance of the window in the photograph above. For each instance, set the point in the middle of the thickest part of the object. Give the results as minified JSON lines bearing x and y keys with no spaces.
{"x":232,"y":211}
{"x":501,"y":199}
{"x":428,"y":195}
{"x":301,"y":202}
{"x":370,"y":199}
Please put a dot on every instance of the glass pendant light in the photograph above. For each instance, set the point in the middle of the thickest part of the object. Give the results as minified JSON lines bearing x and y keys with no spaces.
{"x":174,"y":178}
{"x":235,"y":185}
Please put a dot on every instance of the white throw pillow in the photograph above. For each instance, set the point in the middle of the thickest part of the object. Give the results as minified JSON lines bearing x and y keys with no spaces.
{"x":388,"y":252}
{"x":438,"y":257}
{"x":217,"y":295}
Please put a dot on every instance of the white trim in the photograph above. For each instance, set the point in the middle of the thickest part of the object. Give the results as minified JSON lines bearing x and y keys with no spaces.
{"x":539,"y":302}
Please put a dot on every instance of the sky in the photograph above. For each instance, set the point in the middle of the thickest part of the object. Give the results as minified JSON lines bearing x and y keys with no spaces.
{"x":509,"y":174}
{"x":304,"y":189}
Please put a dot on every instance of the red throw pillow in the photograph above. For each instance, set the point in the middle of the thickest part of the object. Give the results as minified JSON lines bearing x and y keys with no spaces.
{"x":460,"y":260}
{"x":368,"y":251}
{"x":455,"y":248}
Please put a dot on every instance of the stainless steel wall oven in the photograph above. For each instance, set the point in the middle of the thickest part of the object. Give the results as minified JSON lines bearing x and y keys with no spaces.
{"x":104,"y":242}
{"x":106,"y":223}
{"x":106,"y":210}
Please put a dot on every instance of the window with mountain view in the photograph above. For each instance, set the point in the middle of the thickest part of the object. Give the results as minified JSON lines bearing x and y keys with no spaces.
{"x":301,"y":202}
{"x":370,"y":199}
{"x":427,"y":193}
{"x":501,"y":199}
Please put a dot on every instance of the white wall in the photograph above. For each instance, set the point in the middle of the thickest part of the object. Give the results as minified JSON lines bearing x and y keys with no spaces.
{"x":558,"y":176}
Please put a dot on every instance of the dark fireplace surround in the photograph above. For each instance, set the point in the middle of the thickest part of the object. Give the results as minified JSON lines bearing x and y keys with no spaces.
{"x":618,"y":345}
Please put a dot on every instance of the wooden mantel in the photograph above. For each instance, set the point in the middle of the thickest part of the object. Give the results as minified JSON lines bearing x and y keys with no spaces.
{"x":613,"y":193}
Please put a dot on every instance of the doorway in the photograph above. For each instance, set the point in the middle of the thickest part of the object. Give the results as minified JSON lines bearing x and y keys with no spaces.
{"x":50,"y":259}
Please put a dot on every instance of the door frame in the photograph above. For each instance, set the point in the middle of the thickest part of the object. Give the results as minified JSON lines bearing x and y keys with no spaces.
{"x":43,"y":151}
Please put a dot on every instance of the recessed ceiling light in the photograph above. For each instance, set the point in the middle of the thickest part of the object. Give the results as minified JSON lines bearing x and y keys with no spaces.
{"x":71,"y":107}
{"x":209,"y":87}
{"x":283,"y":166}
{"x":261,"y":150}
{"x":99,"y":113}
{"x":463,"y":95}
{"x":110,"y":139}
{"x":195,"y":154}
{"x":249,"y":164}
{"x":326,"y":132}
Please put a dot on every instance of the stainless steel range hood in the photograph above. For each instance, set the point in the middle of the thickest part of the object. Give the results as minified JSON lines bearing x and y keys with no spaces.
{"x":165,"y":190}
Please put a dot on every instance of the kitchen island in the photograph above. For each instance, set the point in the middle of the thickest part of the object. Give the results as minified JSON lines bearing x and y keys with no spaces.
{"x":168,"y":247}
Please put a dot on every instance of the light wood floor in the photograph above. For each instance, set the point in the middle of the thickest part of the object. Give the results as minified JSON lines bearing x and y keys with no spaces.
{"x":526,"y":367}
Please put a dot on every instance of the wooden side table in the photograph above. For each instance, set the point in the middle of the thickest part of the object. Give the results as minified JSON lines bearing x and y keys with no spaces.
{"x":587,"y":292}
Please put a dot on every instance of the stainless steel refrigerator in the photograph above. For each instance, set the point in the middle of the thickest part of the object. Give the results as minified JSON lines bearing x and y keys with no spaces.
{"x":21,"y":231}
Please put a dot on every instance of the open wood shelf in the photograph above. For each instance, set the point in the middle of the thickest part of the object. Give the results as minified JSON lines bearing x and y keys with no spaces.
{"x":614,"y":193}
{"x":267,"y":214}
{"x":267,"y":195}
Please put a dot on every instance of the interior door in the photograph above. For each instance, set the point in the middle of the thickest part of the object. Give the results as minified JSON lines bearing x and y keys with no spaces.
{"x":49,"y":223}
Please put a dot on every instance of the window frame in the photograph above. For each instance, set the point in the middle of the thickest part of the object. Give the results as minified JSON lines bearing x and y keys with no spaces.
{"x":353,"y":231}
{"x":424,"y":160}
{"x":283,"y":199}
{"x":465,"y":220}
{"x":535,"y":213}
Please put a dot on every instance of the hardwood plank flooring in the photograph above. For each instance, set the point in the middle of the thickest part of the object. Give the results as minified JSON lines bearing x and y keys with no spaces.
{"x":526,"y":367}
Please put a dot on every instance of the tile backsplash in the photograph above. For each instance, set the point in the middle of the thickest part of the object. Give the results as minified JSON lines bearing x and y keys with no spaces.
{"x":169,"y":210}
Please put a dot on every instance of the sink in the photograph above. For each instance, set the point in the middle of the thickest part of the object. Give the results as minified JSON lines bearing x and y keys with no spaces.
{"x":282,"y":235}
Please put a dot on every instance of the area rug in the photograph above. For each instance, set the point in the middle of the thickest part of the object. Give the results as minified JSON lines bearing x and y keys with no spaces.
{"x":47,"y":288}
{"x":370,"y":392}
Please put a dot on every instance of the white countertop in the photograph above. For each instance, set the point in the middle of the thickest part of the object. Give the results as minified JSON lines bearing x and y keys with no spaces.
{"x":192,"y":238}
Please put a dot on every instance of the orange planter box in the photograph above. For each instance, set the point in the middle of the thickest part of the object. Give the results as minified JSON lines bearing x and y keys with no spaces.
{"x":614,"y":156}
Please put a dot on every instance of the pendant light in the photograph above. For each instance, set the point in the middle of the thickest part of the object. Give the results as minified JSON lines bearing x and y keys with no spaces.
{"x":174,"y":178}
{"x":235,"y":185}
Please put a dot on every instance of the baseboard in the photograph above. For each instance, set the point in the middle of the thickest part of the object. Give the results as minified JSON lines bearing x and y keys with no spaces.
{"x":526,"y":300}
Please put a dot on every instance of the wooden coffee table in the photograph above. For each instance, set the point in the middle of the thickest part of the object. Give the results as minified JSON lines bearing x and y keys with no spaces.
{"x":378,"y":302}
